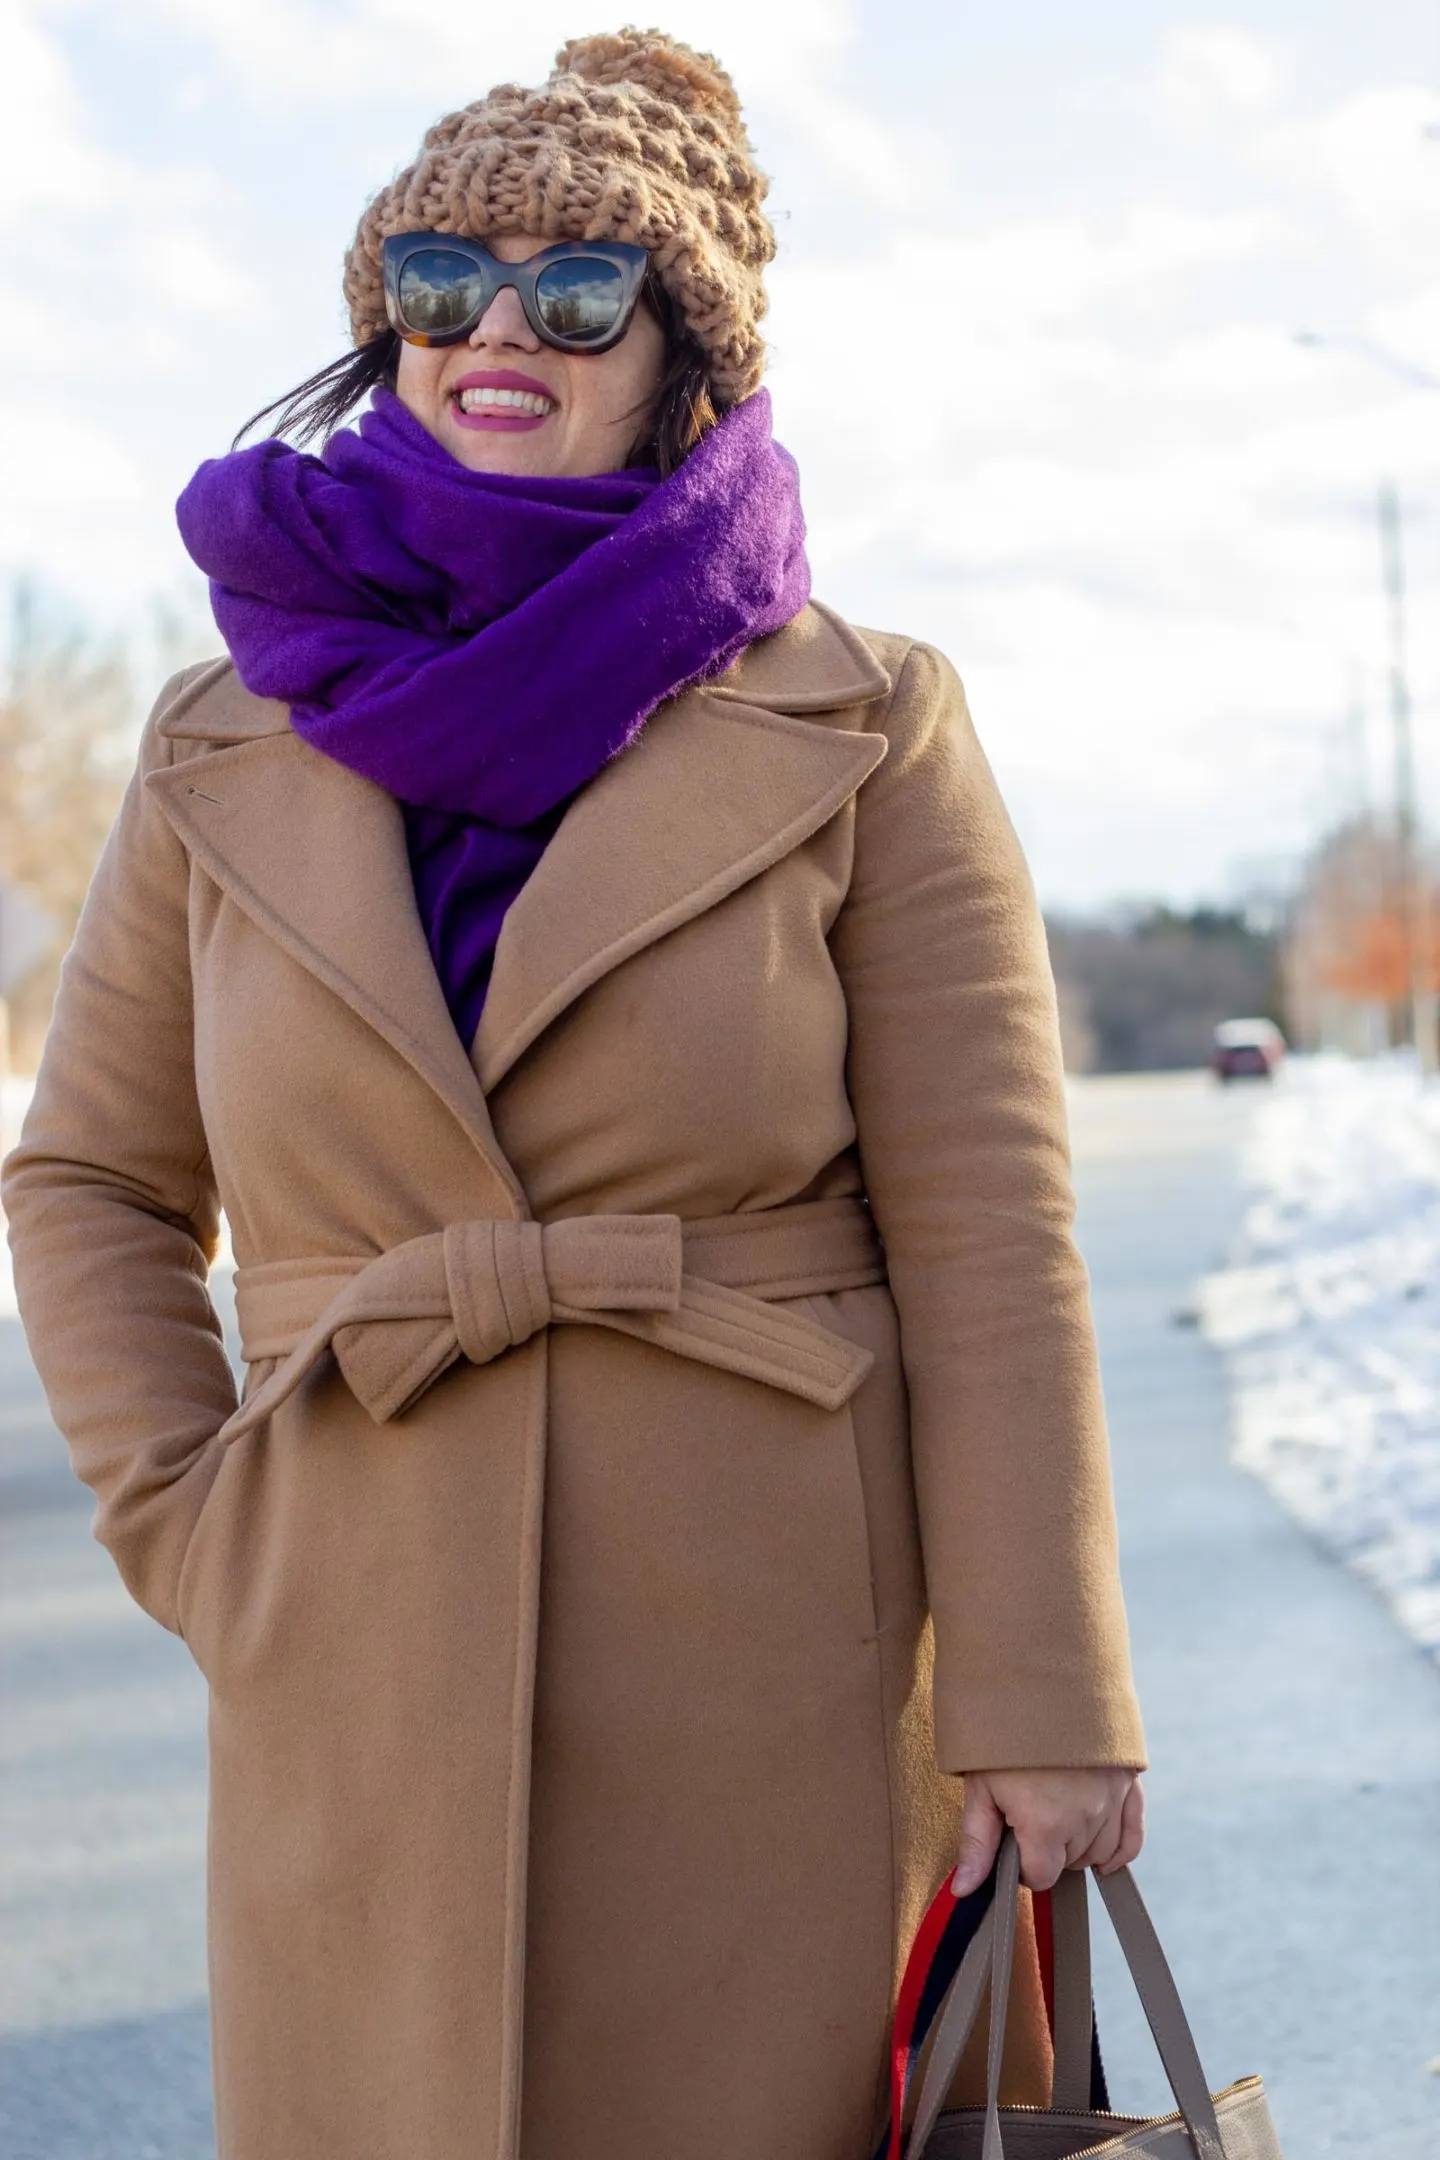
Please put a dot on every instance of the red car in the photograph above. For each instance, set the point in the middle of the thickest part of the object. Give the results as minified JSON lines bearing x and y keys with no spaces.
{"x":1246,"y":1050}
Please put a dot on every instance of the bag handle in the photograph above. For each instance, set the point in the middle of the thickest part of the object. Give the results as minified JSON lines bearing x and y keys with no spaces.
{"x":1074,"y":1995}
{"x":966,"y":1995}
{"x":994,"y":1946}
{"x":1164,"y":2011}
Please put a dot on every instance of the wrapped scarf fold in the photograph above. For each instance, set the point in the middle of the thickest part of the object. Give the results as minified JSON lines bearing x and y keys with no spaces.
{"x":481,"y":644}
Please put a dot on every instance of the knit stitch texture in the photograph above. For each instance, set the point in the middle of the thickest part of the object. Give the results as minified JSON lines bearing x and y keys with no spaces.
{"x":634,"y":137}
{"x":480,"y":644}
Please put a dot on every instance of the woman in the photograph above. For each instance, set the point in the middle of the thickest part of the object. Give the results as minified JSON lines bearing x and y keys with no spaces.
{"x":668,"y":1516}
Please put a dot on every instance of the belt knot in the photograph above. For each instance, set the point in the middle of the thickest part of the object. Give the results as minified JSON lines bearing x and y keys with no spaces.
{"x":497,"y":1285}
{"x":396,"y":1322}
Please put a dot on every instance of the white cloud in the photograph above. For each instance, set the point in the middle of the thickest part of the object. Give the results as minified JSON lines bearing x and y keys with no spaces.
{"x":73,"y":494}
{"x":283,"y":52}
{"x":104,"y":248}
{"x":1372,"y":159}
{"x":190,"y":277}
{"x":285,"y":57}
{"x":1078,"y":446}
{"x":47,"y":158}
{"x":1209,"y":73}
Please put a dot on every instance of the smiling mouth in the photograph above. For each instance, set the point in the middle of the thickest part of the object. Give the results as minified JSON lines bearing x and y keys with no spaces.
{"x":510,"y":410}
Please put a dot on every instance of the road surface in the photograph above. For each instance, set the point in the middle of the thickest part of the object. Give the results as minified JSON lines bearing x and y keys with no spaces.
{"x":1293,"y":1865}
{"x":1295,"y":1798}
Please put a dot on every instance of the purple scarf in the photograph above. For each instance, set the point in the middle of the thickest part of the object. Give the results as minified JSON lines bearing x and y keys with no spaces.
{"x":480,"y":644}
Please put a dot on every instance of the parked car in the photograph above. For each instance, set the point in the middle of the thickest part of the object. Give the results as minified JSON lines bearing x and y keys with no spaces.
{"x":1246,"y":1050}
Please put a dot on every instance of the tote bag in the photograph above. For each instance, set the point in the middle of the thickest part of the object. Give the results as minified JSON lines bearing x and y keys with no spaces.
{"x":1230,"y":2125}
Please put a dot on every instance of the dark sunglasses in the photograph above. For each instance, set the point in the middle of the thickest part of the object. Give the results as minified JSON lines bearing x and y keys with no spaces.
{"x":578,"y":296}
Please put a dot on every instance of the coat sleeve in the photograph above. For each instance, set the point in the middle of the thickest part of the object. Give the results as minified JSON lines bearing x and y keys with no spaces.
{"x":956,"y":1081}
{"x":112,"y":1209}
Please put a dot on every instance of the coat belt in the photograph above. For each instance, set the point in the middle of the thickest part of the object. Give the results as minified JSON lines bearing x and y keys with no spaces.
{"x":702,"y":1289}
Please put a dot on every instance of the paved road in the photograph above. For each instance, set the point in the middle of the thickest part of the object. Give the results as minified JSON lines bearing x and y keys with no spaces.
{"x":1295,"y":1797}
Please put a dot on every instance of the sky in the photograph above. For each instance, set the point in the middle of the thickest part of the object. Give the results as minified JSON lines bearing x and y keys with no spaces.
{"x":1034,"y":331}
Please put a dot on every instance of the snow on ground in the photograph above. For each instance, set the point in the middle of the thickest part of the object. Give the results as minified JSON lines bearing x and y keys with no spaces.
{"x":1328,"y":1317}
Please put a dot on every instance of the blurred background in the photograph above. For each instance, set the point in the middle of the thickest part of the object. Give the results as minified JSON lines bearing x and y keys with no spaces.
{"x":1108,"y":341}
{"x":1096,"y":333}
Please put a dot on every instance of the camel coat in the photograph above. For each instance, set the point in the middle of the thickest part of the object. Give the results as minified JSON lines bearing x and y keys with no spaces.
{"x":672,"y":1446}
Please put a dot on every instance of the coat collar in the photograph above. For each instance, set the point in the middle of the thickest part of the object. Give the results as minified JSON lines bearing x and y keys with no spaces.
{"x":815,"y":664}
{"x":723,"y":782}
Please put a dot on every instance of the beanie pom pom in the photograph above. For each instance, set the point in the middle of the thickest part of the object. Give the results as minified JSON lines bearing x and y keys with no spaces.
{"x":654,"y":61}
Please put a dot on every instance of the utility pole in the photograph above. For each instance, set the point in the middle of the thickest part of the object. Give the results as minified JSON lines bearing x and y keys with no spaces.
{"x":1412,"y":867}
{"x":1357,"y":746}
{"x":1363,"y":894}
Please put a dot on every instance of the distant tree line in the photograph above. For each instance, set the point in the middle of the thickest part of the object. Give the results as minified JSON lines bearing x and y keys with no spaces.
{"x":1144,"y":991}
{"x":70,"y":711}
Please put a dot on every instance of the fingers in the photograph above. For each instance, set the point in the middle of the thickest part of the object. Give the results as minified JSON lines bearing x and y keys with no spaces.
{"x":1061,"y":1819}
{"x":1042,"y":1856}
{"x":981,"y":1825}
{"x":1132,"y":1830}
{"x":1119,"y":1839}
{"x":1102,"y":1848}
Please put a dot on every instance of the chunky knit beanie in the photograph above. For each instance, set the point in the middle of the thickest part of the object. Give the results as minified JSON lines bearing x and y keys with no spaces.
{"x":634,"y":137}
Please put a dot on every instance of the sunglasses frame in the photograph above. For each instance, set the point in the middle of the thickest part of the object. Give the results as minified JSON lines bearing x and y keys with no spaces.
{"x":632,"y":263}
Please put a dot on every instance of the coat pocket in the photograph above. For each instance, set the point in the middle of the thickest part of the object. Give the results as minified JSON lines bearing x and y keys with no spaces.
{"x":824,"y":1311}
{"x":217,"y":1551}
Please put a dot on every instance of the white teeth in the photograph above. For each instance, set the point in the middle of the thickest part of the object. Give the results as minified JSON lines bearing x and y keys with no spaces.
{"x":527,"y":401}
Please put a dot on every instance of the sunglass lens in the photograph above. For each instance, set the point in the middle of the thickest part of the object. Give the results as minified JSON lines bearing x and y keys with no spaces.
{"x":439,"y":290}
{"x":580,"y":298}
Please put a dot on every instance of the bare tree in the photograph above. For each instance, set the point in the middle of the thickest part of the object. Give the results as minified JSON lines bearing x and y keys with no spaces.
{"x":66,"y":742}
{"x":1349,"y":959}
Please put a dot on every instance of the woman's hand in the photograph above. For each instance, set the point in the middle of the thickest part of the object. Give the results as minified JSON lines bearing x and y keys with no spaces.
{"x":1061,"y":1818}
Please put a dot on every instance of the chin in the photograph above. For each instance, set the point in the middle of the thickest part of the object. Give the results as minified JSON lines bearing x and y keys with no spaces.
{"x":500,"y":453}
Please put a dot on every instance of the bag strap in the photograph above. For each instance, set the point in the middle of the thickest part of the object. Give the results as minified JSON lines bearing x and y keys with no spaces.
{"x":1074,"y":2019}
{"x":1002,"y":1963}
{"x":960,"y":2014}
{"x":1164,"y":2011}
{"x":933,"y":1982}
{"x":995,"y":1946}
{"x":947,"y":1931}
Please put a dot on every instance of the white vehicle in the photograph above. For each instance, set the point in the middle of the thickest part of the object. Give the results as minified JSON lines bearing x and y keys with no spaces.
{"x":1247,"y":1050}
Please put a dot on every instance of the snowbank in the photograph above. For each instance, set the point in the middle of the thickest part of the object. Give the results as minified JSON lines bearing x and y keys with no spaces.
{"x":1329,"y":1320}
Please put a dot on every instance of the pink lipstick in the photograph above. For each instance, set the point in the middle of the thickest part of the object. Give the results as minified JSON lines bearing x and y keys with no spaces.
{"x":501,"y":400}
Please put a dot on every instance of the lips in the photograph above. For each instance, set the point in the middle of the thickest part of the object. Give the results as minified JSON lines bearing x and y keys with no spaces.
{"x":501,"y":400}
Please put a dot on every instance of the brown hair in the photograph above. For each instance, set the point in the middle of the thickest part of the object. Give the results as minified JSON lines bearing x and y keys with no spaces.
{"x":685,"y":406}
{"x":683,"y":410}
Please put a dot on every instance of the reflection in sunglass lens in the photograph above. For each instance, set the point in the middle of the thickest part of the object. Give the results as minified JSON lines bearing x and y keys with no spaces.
{"x":580,"y":297}
{"x":439,"y":290}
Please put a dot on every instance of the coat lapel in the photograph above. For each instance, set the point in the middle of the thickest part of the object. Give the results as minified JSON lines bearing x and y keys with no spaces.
{"x":316,"y":856}
{"x":721,"y":784}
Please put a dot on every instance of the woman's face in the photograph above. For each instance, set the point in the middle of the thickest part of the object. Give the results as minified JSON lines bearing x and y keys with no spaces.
{"x":592,"y":406}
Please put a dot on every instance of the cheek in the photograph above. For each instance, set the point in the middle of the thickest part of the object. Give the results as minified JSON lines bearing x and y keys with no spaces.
{"x":641,"y":354}
{"x":606,"y":391}
{"x":417,"y":378}
{"x":620,"y":381}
